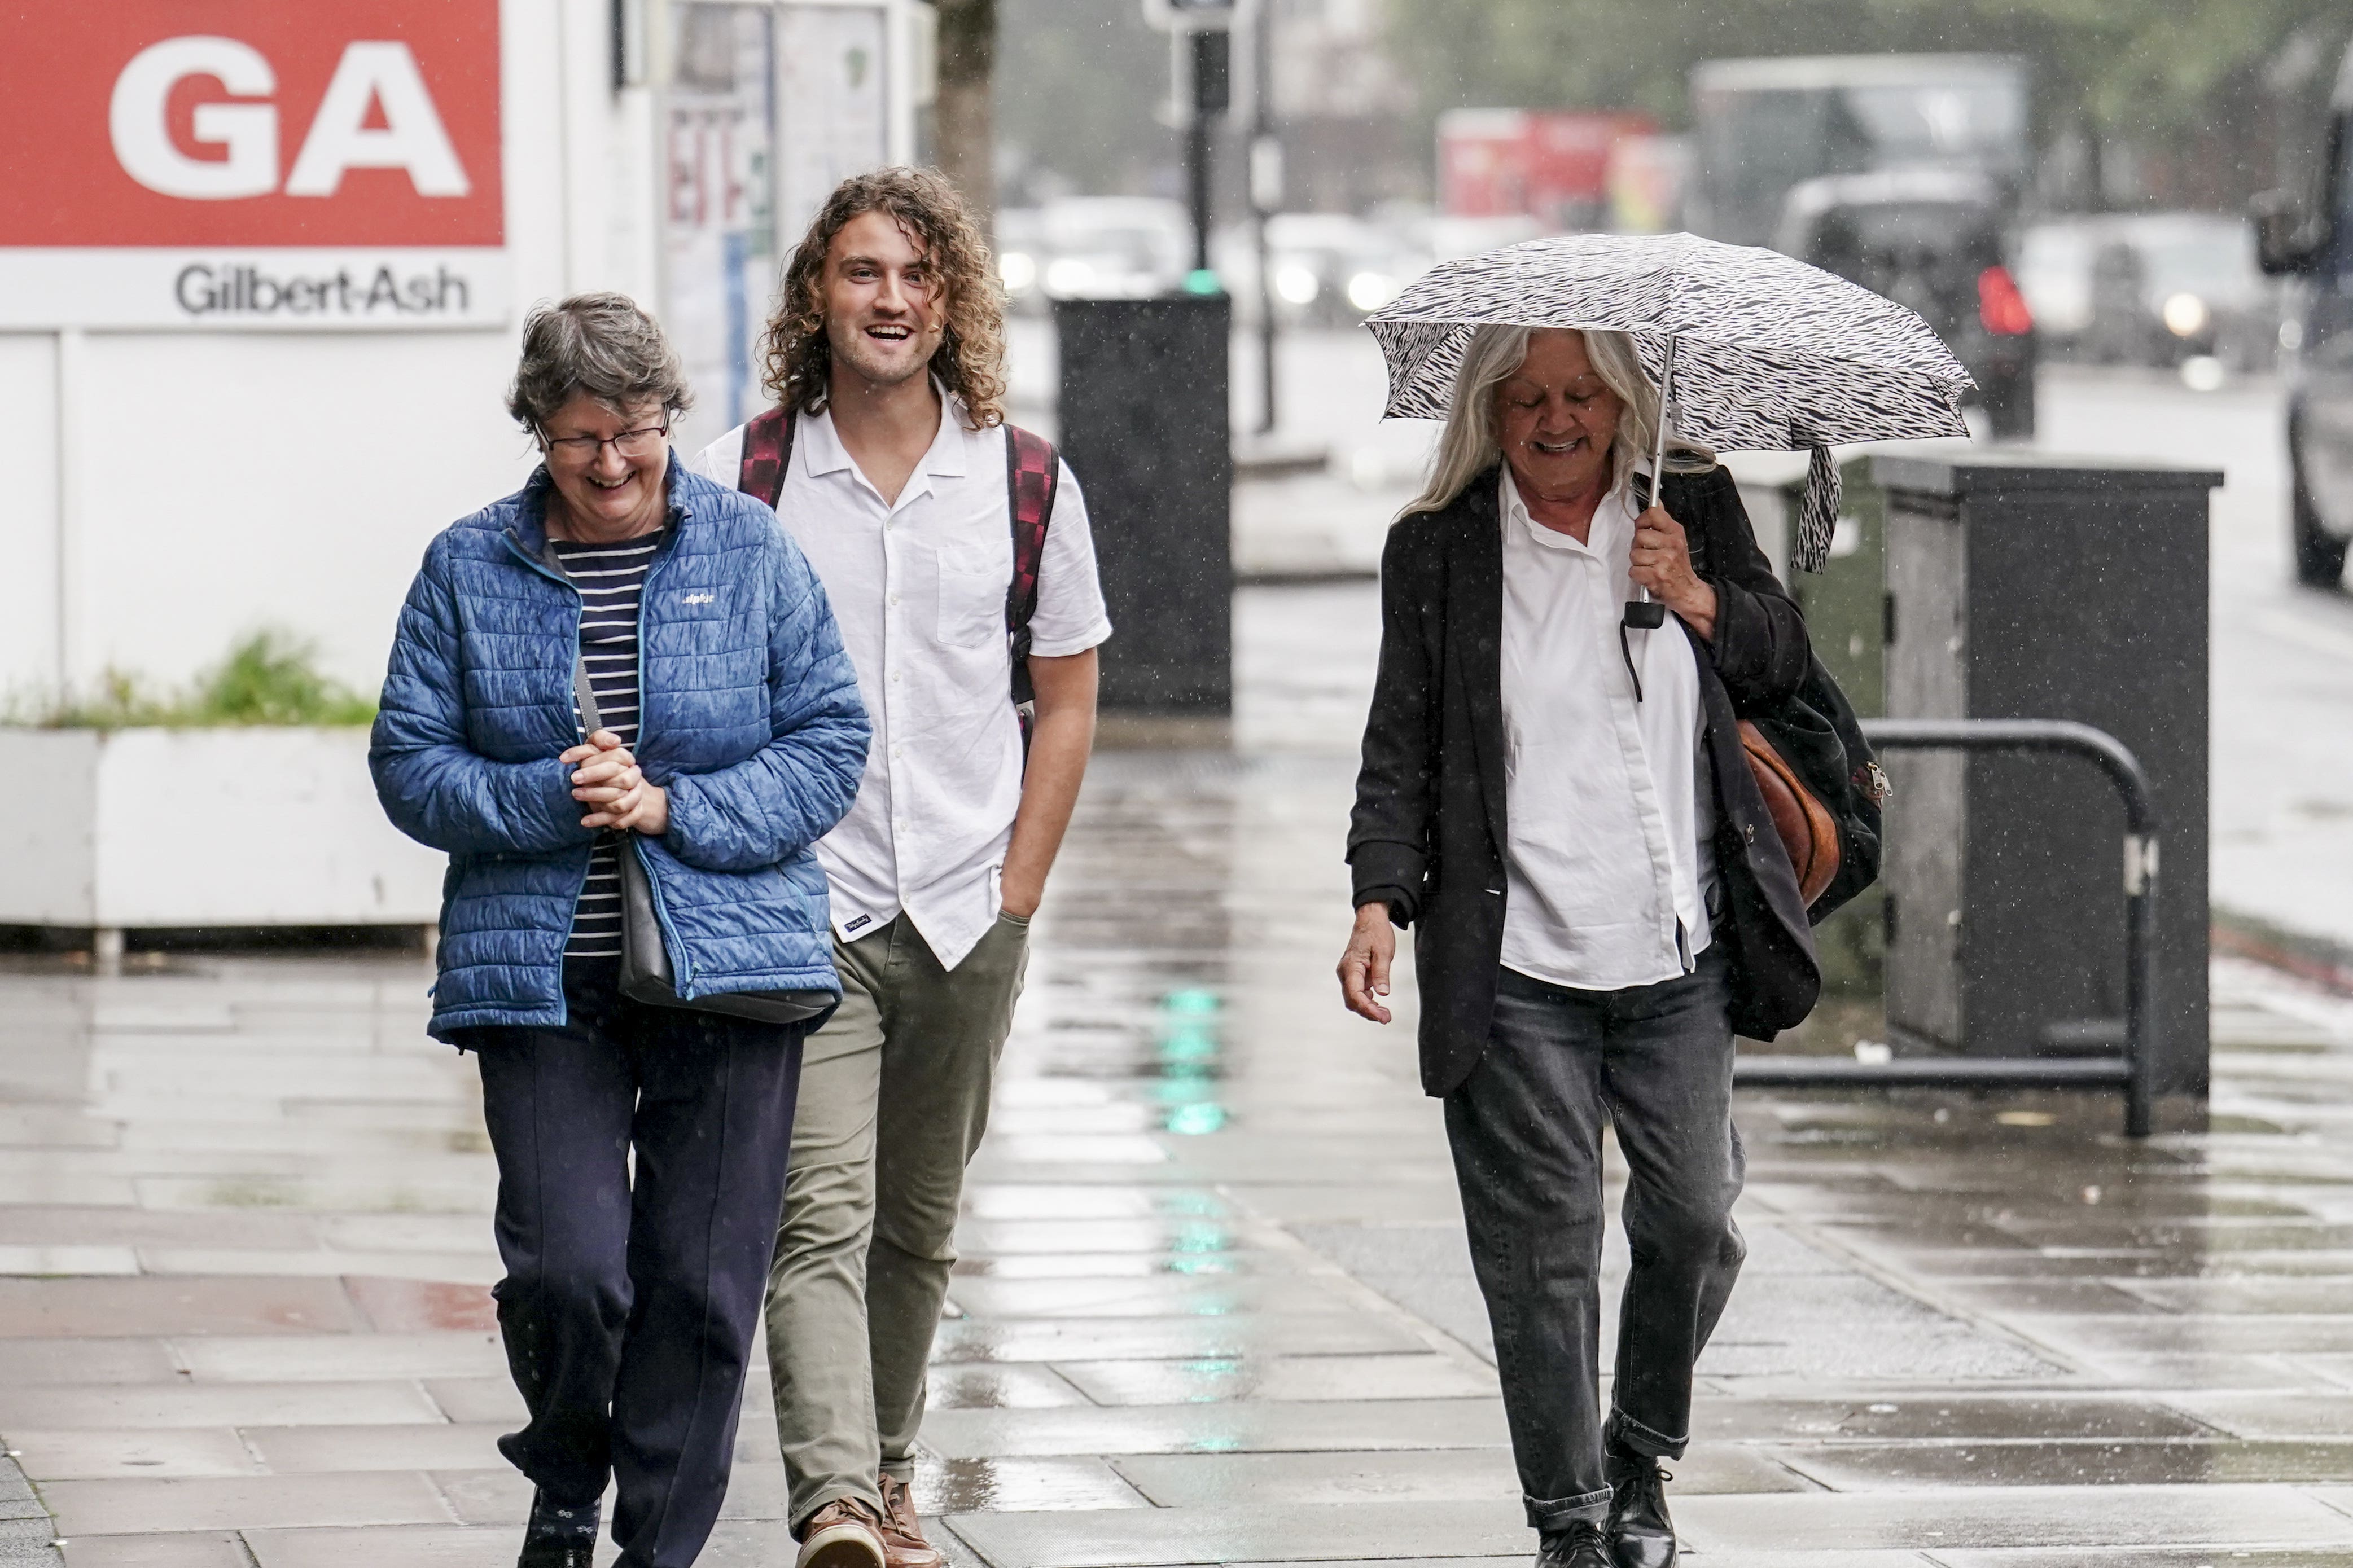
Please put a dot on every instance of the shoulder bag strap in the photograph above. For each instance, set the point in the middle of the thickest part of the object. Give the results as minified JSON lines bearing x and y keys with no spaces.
{"x":585,"y":695}
{"x":1033,"y":471}
{"x":767,"y":455}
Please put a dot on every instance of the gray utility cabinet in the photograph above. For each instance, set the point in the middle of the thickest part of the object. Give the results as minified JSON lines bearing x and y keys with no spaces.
{"x":2027,"y":585}
{"x":1145,"y":428}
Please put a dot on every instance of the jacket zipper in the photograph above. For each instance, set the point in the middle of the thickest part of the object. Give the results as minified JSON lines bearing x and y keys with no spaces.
{"x":579,"y":613}
{"x":681,"y":967}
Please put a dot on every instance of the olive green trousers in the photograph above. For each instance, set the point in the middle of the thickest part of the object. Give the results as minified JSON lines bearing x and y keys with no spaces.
{"x":893,"y":1101}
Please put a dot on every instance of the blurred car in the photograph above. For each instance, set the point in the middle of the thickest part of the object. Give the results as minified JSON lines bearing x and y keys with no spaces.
{"x":1021,"y":256}
{"x":1329,"y":270}
{"x":1094,"y":248}
{"x":2168,"y":287}
{"x":2053,"y":269}
{"x":1933,"y":241}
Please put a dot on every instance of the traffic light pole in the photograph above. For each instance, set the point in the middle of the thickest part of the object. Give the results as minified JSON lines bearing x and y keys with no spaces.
{"x":1265,"y":195}
{"x":1210,"y":62}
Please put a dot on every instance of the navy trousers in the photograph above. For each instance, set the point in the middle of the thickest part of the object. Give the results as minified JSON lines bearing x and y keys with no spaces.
{"x":629,"y":1304}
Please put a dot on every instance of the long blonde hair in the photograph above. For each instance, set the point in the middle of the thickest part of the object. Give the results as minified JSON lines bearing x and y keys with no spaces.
{"x":1469,"y":445}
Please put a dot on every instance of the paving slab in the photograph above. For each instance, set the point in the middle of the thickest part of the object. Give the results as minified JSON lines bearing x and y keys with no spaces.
{"x":1218,"y":1480}
{"x":1939,"y":1415}
{"x":105,"y":1406}
{"x":112,"y":1309}
{"x":1427,"y":1375}
{"x":1021,"y":1485}
{"x":246,"y":1229}
{"x":1863,"y":1466}
{"x":1126,"y":1339}
{"x":2151,"y":1557}
{"x":2044,"y":1516}
{"x":129,"y":1506}
{"x":1162,"y":1296}
{"x":489,"y":1399}
{"x":399,"y":1446}
{"x":1200,"y":1481}
{"x":427,"y":1546}
{"x":206,"y":1549}
{"x":1254,"y":1426}
{"x":502,"y":1496}
{"x":24,"y":1363}
{"x":356,"y":1357}
{"x":114,"y":1452}
{"x":60,"y":1260}
{"x":991,"y":1386}
{"x":1270,"y":1533}
{"x":1128,"y":1265}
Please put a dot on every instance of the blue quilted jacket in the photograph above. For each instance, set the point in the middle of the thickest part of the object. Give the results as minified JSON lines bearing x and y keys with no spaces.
{"x":750,"y":718}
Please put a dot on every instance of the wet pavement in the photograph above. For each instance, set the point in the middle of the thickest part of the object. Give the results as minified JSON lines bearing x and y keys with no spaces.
{"x":1214,"y":1305}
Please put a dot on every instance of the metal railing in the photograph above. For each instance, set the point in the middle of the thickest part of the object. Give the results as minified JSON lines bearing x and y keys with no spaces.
{"x":2135,"y":1070}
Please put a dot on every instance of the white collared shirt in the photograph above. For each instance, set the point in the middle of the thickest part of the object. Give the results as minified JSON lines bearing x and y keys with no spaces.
{"x":1610,"y":859}
{"x":918,"y":588}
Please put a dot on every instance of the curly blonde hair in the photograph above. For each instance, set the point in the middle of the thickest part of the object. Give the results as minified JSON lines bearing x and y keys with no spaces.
{"x":797,"y":359}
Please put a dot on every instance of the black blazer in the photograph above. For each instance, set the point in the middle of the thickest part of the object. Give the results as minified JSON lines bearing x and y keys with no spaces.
{"x":1427,"y":833}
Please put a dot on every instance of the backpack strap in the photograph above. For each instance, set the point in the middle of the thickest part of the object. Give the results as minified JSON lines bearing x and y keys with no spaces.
{"x":1033,"y":471}
{"x":767,"y":455}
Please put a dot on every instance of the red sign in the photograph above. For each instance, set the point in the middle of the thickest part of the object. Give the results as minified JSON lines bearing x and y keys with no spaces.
{"x":1551,"y":163}
{"x":250,"y":123}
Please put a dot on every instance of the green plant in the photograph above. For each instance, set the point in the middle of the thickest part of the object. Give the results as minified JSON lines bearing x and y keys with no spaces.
{"x":269,"y":678}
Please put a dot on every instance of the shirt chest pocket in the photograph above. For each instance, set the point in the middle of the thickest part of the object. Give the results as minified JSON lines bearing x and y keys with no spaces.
{"x":971,"y":585}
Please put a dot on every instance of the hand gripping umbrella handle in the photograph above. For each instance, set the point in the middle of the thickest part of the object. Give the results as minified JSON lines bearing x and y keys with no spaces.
{"x":1642,"y":612}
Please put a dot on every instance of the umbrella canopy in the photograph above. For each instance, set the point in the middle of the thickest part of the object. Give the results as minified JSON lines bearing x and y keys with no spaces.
{"x":1772,"y":354}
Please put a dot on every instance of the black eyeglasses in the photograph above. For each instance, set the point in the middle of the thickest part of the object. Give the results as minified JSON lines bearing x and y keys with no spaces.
{"x":640,"y":443}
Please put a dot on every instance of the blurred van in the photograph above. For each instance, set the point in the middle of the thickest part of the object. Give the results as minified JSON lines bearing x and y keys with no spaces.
{"x":2307,"y":238}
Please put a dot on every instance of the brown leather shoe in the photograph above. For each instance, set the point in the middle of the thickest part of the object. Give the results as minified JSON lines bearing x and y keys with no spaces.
{"x":902,"y":1532}
{"x":845,"y":1533}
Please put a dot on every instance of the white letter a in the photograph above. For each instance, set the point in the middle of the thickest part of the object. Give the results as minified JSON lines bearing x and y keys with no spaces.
{"x":412,"y":137}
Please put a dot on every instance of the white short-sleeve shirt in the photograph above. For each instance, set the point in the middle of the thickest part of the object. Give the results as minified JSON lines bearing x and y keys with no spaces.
{"x":1609,"y":816}
{"x":919,"y":587}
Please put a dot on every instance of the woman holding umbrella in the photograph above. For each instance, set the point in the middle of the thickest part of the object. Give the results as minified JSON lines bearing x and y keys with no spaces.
{"x":1559,"y":806}
{"x":1556,"y":798}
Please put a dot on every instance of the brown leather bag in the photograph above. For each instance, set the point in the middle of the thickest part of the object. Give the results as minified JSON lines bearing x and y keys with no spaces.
{"x":1807,"y":830}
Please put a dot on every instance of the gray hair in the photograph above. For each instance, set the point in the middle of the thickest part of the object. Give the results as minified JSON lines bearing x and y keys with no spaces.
{"x":602,"y":344}
{"x":1469,"y":445}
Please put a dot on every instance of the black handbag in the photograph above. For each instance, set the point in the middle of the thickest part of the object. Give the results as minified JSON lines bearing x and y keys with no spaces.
{"x":1822,"y":788}
{"x":646,"y":973}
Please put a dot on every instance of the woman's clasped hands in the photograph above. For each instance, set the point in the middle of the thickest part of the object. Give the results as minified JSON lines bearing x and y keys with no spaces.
{"x":607,"y":778}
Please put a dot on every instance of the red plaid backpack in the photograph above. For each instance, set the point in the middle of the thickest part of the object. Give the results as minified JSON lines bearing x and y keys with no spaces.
{"x":1033,"y":470}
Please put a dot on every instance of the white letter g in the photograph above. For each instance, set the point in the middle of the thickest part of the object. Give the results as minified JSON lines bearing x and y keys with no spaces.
{"x":143,"y":141}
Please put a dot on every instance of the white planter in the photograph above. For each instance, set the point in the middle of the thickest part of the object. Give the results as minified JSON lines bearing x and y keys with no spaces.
{"x":250,"y":826}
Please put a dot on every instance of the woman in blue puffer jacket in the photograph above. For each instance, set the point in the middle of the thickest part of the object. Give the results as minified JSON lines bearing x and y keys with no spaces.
{"x":731,"y":739}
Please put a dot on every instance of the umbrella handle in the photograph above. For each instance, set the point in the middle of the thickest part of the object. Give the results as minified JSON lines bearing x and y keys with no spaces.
{"x":1642,"y":612}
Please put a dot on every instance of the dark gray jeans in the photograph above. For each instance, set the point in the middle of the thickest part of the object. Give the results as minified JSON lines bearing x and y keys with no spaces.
{"x":1526,"y":1132}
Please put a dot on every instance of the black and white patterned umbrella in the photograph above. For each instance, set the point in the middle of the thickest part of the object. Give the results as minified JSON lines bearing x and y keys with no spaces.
{"x":1771,"y":355}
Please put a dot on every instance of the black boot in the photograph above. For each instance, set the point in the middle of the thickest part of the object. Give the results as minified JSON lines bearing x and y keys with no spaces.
{"x":1581,"y":1545}
{"x":558,"y":1536}
{"x":1641,"y":1533}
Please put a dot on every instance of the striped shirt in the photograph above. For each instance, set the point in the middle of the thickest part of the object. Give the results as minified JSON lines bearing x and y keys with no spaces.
{"x":611,"y":579}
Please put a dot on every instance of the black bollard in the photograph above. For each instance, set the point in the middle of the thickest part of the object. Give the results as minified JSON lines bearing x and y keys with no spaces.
{"x":1145,"y":428}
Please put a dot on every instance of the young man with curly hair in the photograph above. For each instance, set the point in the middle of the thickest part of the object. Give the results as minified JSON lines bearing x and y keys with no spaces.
{"x":890,"y":462}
